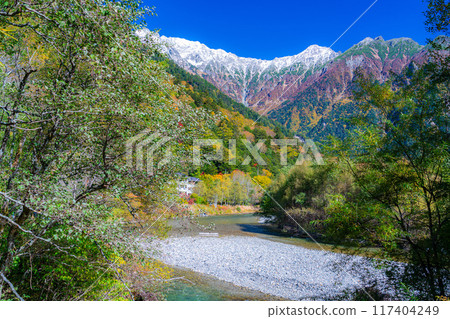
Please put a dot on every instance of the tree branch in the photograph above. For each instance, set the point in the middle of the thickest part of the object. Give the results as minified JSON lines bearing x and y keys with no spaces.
{"x":10,"y":221}
{"x":11,"y":286}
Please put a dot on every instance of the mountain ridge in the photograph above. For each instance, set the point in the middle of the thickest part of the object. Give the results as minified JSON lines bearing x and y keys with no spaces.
{"x":278,"y":62}
{"x":302,"y":91}
{"x":243,"y":79}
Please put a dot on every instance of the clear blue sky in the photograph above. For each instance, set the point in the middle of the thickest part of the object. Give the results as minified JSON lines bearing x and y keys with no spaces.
{"x":268,"y":29}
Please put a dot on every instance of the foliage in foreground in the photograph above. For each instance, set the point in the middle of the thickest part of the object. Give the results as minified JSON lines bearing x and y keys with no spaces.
{"x":401,"y":163}
{"x":76,"y":85}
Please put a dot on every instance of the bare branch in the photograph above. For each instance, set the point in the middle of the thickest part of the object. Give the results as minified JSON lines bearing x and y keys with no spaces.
{"x":10,"y":221}
{"x":14,"y":200}
{"x":11,"y":286}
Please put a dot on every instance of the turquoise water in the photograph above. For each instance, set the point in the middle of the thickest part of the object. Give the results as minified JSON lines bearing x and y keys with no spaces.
{"x":187,"y":292}
{"x":200,"y":287}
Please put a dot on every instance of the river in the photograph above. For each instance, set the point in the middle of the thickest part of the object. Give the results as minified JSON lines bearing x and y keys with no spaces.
{"x":197,"y":286}
{"x":205,"y":285}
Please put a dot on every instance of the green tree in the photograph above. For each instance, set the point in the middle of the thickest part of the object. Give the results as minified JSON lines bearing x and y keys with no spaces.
{"x":401,"y":163}
{"x":76,"y":85}
{"x":400,"y":159}
{"x":438,"y":16}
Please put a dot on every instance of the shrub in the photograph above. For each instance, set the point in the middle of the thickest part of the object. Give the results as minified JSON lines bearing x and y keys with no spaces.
{"x":198,"y":199}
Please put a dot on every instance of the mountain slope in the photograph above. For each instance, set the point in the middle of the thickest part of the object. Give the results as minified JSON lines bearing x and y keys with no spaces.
{"x":205,"y":94}
{"x":309,"y":93}
{"x":326,"y":99}
{"x":259,"y":84}
{"x":235,"y":121}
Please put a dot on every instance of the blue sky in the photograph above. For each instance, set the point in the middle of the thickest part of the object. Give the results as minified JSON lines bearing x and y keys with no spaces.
{"x":268,"y":29}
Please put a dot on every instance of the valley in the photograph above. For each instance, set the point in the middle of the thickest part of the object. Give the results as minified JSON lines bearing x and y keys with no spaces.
{"x":142,"y":167}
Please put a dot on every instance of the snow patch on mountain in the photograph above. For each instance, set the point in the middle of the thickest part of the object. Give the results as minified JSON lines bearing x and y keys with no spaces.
{"x":366,"y":41}
{"x":200,"y":56}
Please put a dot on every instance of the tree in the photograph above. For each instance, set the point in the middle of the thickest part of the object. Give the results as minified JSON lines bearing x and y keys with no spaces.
{"x":300,"y":195}
{"x":401,"y":162}
{"x":76,"y":85}
{"x":236,"y":188}
{"x":437,"y":15}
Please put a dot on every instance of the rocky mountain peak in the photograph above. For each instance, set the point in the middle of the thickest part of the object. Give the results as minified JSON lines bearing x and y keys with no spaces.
{"x":300,"y":90}
{"x":201,"y":56}
{"x":254,"y":82}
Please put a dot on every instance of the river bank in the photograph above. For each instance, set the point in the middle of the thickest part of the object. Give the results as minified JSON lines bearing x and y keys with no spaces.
{"x":247,"y":253}
{"x":211,"y":210}
{"x":283,"y":270}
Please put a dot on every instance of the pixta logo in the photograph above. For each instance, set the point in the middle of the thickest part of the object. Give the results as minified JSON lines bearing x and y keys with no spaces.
{"x":146,"y":149}
{"x":308,"y":151}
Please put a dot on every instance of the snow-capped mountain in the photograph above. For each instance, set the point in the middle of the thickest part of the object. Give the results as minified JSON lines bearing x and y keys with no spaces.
{"x":311,"y":92}
{"x":260,"y":84}
{"x":200,"y":56}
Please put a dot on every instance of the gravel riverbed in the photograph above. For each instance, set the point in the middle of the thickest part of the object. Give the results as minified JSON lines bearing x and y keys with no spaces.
{"x":283,"y":270}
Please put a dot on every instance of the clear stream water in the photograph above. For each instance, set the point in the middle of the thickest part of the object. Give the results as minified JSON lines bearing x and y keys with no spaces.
{"x":196,"y":286}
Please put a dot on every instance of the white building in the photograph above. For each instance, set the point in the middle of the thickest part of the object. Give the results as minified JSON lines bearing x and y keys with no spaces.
{"x":186,"y":185}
